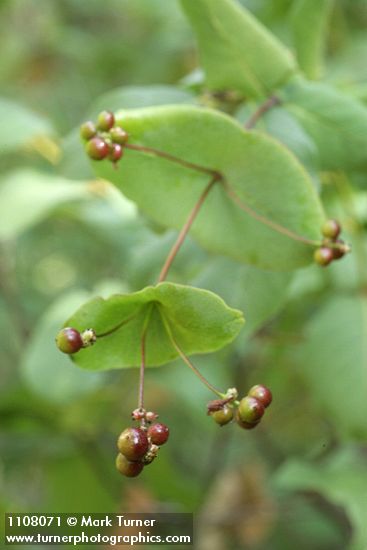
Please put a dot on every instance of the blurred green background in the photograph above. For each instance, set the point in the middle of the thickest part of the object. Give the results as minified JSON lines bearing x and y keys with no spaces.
{"x":299,"y":479}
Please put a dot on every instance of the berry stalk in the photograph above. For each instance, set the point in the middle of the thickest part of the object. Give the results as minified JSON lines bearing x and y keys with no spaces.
{"x":187,"y":360}
{"x":142,"y":365}
{"x":262,"y":219}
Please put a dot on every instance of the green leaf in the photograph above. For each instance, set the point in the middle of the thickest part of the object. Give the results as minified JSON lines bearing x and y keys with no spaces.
{"x":236,"y":50}
{"x":336,"y":122}
{"x":309,"y":19}
{"x":333,"y":357}
{"x":199,"y":320}
{"x":94,"y":494}
{"x":263,"y":173}
{"x":282,"y":125}
{"x":20,"y":126}
{"x":131,"y":97}
{"x":27,"y":197}
{"x":46,"y":371}
{"x":260,"y":293}
{"x":341,"y":479}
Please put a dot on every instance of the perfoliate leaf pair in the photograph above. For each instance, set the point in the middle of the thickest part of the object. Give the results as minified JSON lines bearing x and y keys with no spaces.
{"x":197,"y":320}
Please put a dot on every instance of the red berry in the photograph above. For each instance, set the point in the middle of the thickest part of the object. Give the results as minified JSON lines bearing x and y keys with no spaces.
{"x":246,"y":425}
{"x":116,"y":152}
{"x":223,"y":416}
{"x":133,"y":444}
{"x":262,"y":394}
{"x":331,"y":229}
{"x":69,"y":340}
{"x":323,"y":256}
{"x":158,"y":433}
{"x":118,"y":135}
{"x":250,"y":409}
{"x":105,"y":121}
{"x":88,"y":130}
{"x":126,"y":468}
{"x":97,"y":148}
{"x":340,"y":251}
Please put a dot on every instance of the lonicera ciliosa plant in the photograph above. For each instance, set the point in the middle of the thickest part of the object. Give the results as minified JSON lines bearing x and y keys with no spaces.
{"x":237,"y":191}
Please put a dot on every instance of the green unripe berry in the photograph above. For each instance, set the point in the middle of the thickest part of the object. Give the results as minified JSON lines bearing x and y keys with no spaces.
{"x":223,"y":416}
{"x":323,"y":256}
{"x":158,"y":433}
{"x":133,"y":444}
{"x":262,"y":394}
{"x":69,"y":340}
{"x":246,"y":425}
{"x":331,"y":229}
{"x":87,"y":130}
{"x":105,"y":121}
{"x":250,"y":409}
{"x":126,"y":468}
{"x":97,"y":148}
{"x":118,"y":135}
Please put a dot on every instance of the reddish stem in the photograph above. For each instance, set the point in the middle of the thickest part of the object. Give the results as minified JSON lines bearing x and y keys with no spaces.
{"x":142,"y":373}
{"x":142,"y":365}
{"x":186,"y":228}
{"x":262,"y":109}
{"x":187,"y":360}
{"x":262,"y":219}
{"x":172,"y":158}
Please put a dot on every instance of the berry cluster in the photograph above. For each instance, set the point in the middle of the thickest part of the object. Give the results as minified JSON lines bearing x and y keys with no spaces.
{"x":69,"y":340}
{"x":332,"y":248}
{"x":104,"y":139}
{"x":138,"y":447}
{"x":248,"y":411}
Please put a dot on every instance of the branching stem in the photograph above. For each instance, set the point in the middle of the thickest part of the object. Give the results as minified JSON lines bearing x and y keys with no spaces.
{"x":184,"y":231}
{"x":218,"y":176}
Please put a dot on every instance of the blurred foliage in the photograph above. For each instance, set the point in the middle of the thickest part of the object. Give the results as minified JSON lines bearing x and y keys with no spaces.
{"x":299,"y":479}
